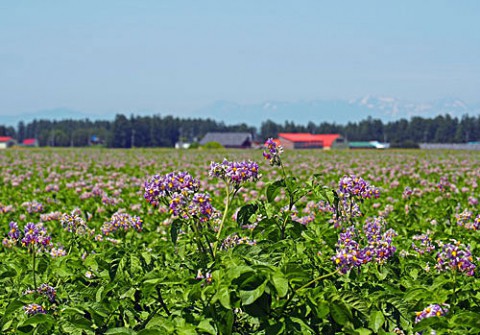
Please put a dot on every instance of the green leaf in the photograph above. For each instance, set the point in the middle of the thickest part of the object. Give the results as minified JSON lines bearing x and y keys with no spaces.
{"x":416,"y":293}
{"x":39,"y":319}
{"x":150,"y":332}
{"x":363,"y":331}
{"x":245,"y":213}
{"x":147,"y":257}
{"x":261,"y":307}
{"x":467,"y":319}
{"x":339,"y":313}
{"x":174,"y":229}
{"x":376,"y":321}
{"x":11,"y":308}
{"x":98,"y":295}
{"x":273,"y":189}
{"x":280,"y":283}
{"x":249,"y":297}
{"x":72,"y":310}
{"x":120,"y":331}
{"x":224,"y":297}
{"x":206,"y":326}
{"x":7,"y":325}
{"x":428,"y":322}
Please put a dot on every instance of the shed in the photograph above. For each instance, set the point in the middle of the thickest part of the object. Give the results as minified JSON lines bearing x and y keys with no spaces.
{"x":229,"y":140}
{"x":7,"y":142}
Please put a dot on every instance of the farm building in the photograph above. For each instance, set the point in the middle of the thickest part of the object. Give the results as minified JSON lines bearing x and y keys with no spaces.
{"x":229,"y":140}
{"x":311,"y":141}
{"x":7,"y":142}
{"x":368,"y":145}
{"x":30,"y":142}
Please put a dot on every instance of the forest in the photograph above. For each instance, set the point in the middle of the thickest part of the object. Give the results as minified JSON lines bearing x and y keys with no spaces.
{"x":165,"y":131}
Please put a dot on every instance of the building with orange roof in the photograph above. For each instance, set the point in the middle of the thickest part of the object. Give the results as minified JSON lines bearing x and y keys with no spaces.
{"x":312,"y":141}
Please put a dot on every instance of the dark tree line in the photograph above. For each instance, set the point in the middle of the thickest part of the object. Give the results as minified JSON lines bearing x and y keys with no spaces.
{"x":158,"y":131}
{"x":122,"y":132}
{"x":441,"y":129}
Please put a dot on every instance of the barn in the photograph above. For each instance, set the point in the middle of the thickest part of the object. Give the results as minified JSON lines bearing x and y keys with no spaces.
{"x":312,"y":141}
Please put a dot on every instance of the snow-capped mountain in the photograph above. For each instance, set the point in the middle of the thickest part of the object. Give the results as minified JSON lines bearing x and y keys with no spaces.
{"x":396,"y":108}
{"x":301,"y":112}
{"x":336,"y":111}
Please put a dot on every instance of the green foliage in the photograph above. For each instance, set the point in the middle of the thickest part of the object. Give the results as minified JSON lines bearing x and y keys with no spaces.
{"x":278,"y":278}
{"x":212,"y":145}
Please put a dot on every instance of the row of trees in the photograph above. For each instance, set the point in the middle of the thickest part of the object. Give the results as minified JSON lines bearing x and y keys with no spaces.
{"x":158,"y":131}
{"x":441,"y":129}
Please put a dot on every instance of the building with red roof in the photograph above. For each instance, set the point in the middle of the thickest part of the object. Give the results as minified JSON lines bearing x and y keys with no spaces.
{"x":30,"y":142}
{"x":311,"y":141}
{"x":7,"y":142}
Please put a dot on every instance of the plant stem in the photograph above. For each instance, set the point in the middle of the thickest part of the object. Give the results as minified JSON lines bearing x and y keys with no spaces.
{"x":34,"y":265}
{"x":162,"y":303}
{"x":225,"y":213}
{"x":454,"y":287}
{"x":317,"y":279}
{"x":306,"y":286}
{"x":198,"y":239}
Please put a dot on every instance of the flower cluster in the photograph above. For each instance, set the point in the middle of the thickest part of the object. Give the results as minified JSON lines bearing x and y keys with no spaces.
{"x":425,"y":243}
{"x":201,"y":207}
{"x":356,"y":187}
{"x":122,"y":221}
{"x":272,"y":152}
{"x":73,"y":223}
{"x":378,"y":247}
{"x":14,"y":232}
{"x":53,"y":216}
{"x":46,"y":290}
{"x":179,"y":190}
{"x":348,"y":253}
{"x":234,"y":172}
{"x":407,"y":192}
{"x":208,"y":276}
{"x":178,"y":205}
{"x":33,"y":206}
{"x":431,"y":311}
{"x":13,"y":235}
{"x":168,"y":185}
{"x":443,"y":183}
{"x":465,"y":219}
{"x":57,"y":251}
{"x":33,"y":309}
{"x":6,"y":208}
{"x":35,"y":234}
{"x":234,"y":240}
{"x":346,"y":211}
{"x":455,"y":256}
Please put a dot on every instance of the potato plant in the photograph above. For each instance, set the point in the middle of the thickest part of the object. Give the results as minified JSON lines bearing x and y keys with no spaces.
{"x":99,"y":241}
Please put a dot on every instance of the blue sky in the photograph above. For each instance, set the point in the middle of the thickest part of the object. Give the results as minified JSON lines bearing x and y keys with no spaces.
{"x":174,"y":57}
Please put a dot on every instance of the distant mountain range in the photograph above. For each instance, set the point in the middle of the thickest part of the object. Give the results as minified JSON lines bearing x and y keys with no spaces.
{"x":301,"y":112}
{"x":336,"y":111}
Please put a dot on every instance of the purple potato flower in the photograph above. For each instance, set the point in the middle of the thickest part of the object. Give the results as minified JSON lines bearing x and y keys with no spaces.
{"x":456,"y":257}
{"x":430,"y":311}
{"x":272,"y":152}
{"x":234,"y":172}
{"x":33,"y":309}
{"x":123,"y":221}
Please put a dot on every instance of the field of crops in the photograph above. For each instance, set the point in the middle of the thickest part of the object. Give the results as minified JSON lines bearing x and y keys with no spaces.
{"x":99,"y":241}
